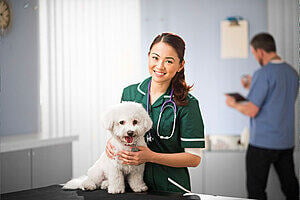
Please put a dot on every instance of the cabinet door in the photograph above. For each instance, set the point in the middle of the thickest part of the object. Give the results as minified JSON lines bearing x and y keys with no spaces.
{"x":15,"y":171}
{"x":197,"y":175}
{"x":225,"y":174}
{"x":51,"y":165}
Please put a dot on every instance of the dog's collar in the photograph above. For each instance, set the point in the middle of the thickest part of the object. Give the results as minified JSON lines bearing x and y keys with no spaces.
{"x":133,"y":149}
{"x":131,"y":145}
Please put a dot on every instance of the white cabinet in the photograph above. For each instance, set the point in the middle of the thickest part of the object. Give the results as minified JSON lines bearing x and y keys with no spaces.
{"x":197,"y":175}
{"x":15,"y":171}
{"x":51,"y":165}
{"x":224,"y":173}
{"x":220,"y":173}
{"x":36,"y":167}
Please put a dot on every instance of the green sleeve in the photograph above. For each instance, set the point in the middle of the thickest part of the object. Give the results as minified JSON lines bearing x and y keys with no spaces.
{"x":129,"y":93}
{"x":122,"y":97}
{"x":191,"y":126}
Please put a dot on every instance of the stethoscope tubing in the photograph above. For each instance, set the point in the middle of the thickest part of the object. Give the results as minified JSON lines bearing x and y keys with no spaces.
{"x":163,"y":107}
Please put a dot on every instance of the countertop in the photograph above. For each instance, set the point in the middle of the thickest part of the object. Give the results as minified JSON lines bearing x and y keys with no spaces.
{"x":22,"y":142}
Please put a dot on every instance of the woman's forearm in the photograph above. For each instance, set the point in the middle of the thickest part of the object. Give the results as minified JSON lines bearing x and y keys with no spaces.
{"x":176,"y":159}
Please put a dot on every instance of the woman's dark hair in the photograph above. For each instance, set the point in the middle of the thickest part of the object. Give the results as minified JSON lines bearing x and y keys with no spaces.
{"x":179,"y":85}
{"x":263,"y":41}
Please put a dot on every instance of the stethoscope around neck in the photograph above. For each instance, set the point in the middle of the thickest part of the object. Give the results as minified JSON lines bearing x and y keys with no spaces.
{"x":169,"y":103}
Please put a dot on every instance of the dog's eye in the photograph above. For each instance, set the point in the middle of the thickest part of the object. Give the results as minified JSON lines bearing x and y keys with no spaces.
{"x":122,"y":122}
{"x":134,"y":122}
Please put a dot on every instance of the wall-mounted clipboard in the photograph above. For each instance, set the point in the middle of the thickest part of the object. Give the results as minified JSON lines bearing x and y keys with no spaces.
{"x":234,"y":39}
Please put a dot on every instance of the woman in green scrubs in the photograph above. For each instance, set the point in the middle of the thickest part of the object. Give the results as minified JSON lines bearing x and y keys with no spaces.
{"x":177,"y":136}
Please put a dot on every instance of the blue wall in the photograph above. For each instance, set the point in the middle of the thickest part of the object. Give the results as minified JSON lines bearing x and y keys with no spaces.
{"x":19,"y":68}
{"x":198,"y":22}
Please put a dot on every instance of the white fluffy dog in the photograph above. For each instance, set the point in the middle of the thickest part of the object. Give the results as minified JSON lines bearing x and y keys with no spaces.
{"x":127,"y":122}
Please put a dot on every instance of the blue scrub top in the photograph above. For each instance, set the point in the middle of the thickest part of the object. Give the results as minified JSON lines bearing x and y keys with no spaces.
{"x":274,"y":90}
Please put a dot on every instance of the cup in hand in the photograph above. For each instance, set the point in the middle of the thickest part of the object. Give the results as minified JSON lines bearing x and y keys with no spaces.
{"x":246,"y":81}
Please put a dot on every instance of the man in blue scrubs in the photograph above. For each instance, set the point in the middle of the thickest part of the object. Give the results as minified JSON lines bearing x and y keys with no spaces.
{"x":271,"y":108}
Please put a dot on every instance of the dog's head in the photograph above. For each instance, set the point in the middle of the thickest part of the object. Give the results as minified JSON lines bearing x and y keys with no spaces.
{"x":127,"y":121}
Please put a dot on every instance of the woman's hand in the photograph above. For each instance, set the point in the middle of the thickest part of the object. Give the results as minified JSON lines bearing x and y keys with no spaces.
{"x":136,"y":158}
{"x":109,"y":150}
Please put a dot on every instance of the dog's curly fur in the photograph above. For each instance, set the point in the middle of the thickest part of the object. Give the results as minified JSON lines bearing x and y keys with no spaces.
{"x":125,"y":120}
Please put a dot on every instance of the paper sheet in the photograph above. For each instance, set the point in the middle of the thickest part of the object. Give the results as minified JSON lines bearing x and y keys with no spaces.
{"x":213,"y":197}
{"x":234,"y":39}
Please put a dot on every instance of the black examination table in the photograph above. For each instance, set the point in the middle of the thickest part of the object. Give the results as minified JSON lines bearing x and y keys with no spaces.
{"x":54,"y":192}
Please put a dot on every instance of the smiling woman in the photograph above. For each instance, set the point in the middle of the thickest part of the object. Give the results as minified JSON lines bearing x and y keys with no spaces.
{"x":177,"y":135}
{"x":85,"y":62}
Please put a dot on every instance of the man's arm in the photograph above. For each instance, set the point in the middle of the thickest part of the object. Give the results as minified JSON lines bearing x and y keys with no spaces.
{"x":247,"y":108}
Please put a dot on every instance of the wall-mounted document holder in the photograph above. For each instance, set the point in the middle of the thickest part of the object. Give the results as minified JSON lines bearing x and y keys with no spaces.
{"x":234,"y":38}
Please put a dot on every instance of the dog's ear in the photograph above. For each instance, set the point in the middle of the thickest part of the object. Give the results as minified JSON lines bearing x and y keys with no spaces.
{"x":107,"y":120}
{"x":146,"y":120}
{"x":147,"y":123}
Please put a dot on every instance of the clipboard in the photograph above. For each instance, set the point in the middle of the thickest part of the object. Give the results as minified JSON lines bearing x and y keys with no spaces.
{"x":234,"y":38}
{"x":237,"y":96}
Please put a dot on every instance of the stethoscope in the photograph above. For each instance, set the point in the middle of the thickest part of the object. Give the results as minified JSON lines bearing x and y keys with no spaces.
{"x":171,"y":104}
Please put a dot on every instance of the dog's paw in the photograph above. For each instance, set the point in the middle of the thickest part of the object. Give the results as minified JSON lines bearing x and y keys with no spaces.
{"x":115,"y":190}
{"x":104,"y":185}
{"x":140,"y":188}
{"x":89,"y":185}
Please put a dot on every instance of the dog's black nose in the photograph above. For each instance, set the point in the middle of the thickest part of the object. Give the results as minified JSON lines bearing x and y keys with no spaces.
{"x":130,"y":133}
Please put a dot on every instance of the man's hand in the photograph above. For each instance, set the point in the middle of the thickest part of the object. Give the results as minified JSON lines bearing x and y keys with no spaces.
{"x":247,"y":108}
{"x":230,"y":101}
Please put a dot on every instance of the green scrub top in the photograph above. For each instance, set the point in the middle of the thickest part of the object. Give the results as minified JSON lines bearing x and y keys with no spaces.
{"x":188,"y":133}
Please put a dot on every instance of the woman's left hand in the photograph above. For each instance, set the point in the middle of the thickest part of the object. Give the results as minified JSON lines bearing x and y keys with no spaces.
{"x":136,"y":158}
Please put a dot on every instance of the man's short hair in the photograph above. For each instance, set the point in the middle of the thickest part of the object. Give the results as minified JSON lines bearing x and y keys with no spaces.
{"x":263,"y":41}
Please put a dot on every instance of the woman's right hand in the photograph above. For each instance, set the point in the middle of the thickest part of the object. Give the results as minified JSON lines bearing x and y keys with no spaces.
{"x":109,"y":150}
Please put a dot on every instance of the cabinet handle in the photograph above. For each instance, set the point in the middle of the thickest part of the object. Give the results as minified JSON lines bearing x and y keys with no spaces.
{"x":33,"y":153}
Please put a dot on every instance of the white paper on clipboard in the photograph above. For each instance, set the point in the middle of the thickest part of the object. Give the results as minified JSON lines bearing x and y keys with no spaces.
{"x":234,"y":39}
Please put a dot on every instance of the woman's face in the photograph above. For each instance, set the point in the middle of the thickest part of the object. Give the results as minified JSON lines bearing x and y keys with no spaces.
{"x":163,"y":63}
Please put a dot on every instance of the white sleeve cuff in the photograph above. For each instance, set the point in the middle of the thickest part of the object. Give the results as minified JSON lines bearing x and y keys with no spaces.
{"x":194,"y":151}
